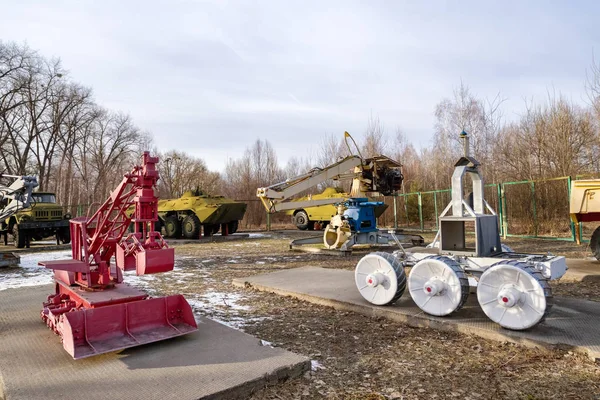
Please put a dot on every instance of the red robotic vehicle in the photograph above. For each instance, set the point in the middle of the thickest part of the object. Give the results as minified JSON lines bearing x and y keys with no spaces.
{"x":92,"y":310}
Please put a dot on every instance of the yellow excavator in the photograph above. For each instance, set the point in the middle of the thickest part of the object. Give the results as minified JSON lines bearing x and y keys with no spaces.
{"x":355,"y":220}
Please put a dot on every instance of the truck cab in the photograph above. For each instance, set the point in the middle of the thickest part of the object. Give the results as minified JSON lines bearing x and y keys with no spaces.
{"x":44,"y":218}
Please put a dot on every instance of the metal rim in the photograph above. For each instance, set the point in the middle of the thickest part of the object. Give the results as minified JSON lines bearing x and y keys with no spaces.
{"x":512,"y":296}
{"x":438,"y":285}
{"x":380,"y":278}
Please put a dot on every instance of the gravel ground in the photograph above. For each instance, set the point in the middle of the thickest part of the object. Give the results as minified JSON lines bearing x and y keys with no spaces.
{"x":356,"y":357}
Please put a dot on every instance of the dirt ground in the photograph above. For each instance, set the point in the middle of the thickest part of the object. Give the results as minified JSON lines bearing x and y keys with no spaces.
{"x":356,"y":357}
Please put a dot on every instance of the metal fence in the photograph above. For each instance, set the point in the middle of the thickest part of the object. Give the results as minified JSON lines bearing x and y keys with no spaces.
{"x":526,"y":209}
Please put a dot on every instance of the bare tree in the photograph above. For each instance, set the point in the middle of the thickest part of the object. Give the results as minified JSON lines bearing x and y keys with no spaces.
{"x":375,"y":140}
{"x":181,"y":172}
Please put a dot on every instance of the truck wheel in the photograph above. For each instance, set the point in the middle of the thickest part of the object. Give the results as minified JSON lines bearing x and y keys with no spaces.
{"x":172,"y":227}
{"x":18,"y":237}
{"x":232,"y":227}
{"x":158,"y":225}
{"x":191,"y":227}
{"x":301,"y":220}
{"x":64,"y":235}
{"x":595,"y":243}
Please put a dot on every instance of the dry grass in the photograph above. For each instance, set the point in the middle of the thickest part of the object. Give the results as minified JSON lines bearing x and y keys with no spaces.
{"x":367,"y":358}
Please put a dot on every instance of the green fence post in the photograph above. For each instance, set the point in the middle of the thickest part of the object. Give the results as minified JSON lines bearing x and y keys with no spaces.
{"x":437,"y":226}
{"x":395,"y":212}
{"x":420,"y":202}
{"x":533,"y":203}
{"x":505,"y":212}
{"x":403,"y":195}
{"x":573,"y":227}
{"x":500,"y":213}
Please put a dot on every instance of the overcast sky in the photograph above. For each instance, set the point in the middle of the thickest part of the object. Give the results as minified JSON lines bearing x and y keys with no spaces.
{"x":210,"y":77}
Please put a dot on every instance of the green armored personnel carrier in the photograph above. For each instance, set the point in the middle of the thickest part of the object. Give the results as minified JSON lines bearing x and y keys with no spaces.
{"x":196,"y":212}
{"x":43,"y":218}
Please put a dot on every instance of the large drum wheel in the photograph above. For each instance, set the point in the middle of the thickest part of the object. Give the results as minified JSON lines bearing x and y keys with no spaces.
{"x":438,"y":285}
{"x":380,"y":278}
{"x":514,"y":295}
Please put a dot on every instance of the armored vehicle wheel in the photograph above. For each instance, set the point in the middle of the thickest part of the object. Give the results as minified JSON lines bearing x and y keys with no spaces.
{"x":514,"y":295}
{"x":301,"y":220}
{"x":595,"y":243}
{"x":210,"y":229}
{"x":172,"y":227}
{"x":380,"y":278}
{"x":438,"y":285}
{"x":232,"y":227}
{"x":18,"y":237}
{"x":191,"y":227}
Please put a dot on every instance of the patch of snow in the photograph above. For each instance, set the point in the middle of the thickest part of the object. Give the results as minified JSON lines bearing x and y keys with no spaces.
{"x":315,"y":365}
{"x":229,"y":300}
{"x":185,"y":257}
{"x":260,"y":262}
{"x":30,"y":273}
{"x":265,"y":343}
{"x":257,"y":235}
{"x":223,"y":308}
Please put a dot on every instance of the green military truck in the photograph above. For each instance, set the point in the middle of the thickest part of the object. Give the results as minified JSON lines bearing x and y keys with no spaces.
{"x":42,"y":219}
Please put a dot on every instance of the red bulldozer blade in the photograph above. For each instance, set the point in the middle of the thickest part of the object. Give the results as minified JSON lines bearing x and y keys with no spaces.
{"x":92,"y":331}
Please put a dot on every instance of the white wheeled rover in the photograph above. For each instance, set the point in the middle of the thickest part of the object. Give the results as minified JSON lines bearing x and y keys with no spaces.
{"x":512,"y":288}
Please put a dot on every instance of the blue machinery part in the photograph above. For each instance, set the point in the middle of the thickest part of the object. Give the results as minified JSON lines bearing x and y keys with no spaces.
{"x":360,"y":214}
{"x":355,"y":223}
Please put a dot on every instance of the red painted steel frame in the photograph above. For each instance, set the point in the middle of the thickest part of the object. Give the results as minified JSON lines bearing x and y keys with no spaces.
{"x":90,"y":282}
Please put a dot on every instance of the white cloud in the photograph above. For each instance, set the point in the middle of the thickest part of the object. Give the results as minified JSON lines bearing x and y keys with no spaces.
{"x":213,"y":76}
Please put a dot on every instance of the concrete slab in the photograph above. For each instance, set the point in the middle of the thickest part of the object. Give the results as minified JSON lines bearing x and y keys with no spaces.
{"x":35,"y":247}
{"x":214,"y":362}
{"x":572,"y":323}
{"x":583,"y":270}
{"x":9,"y":259}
